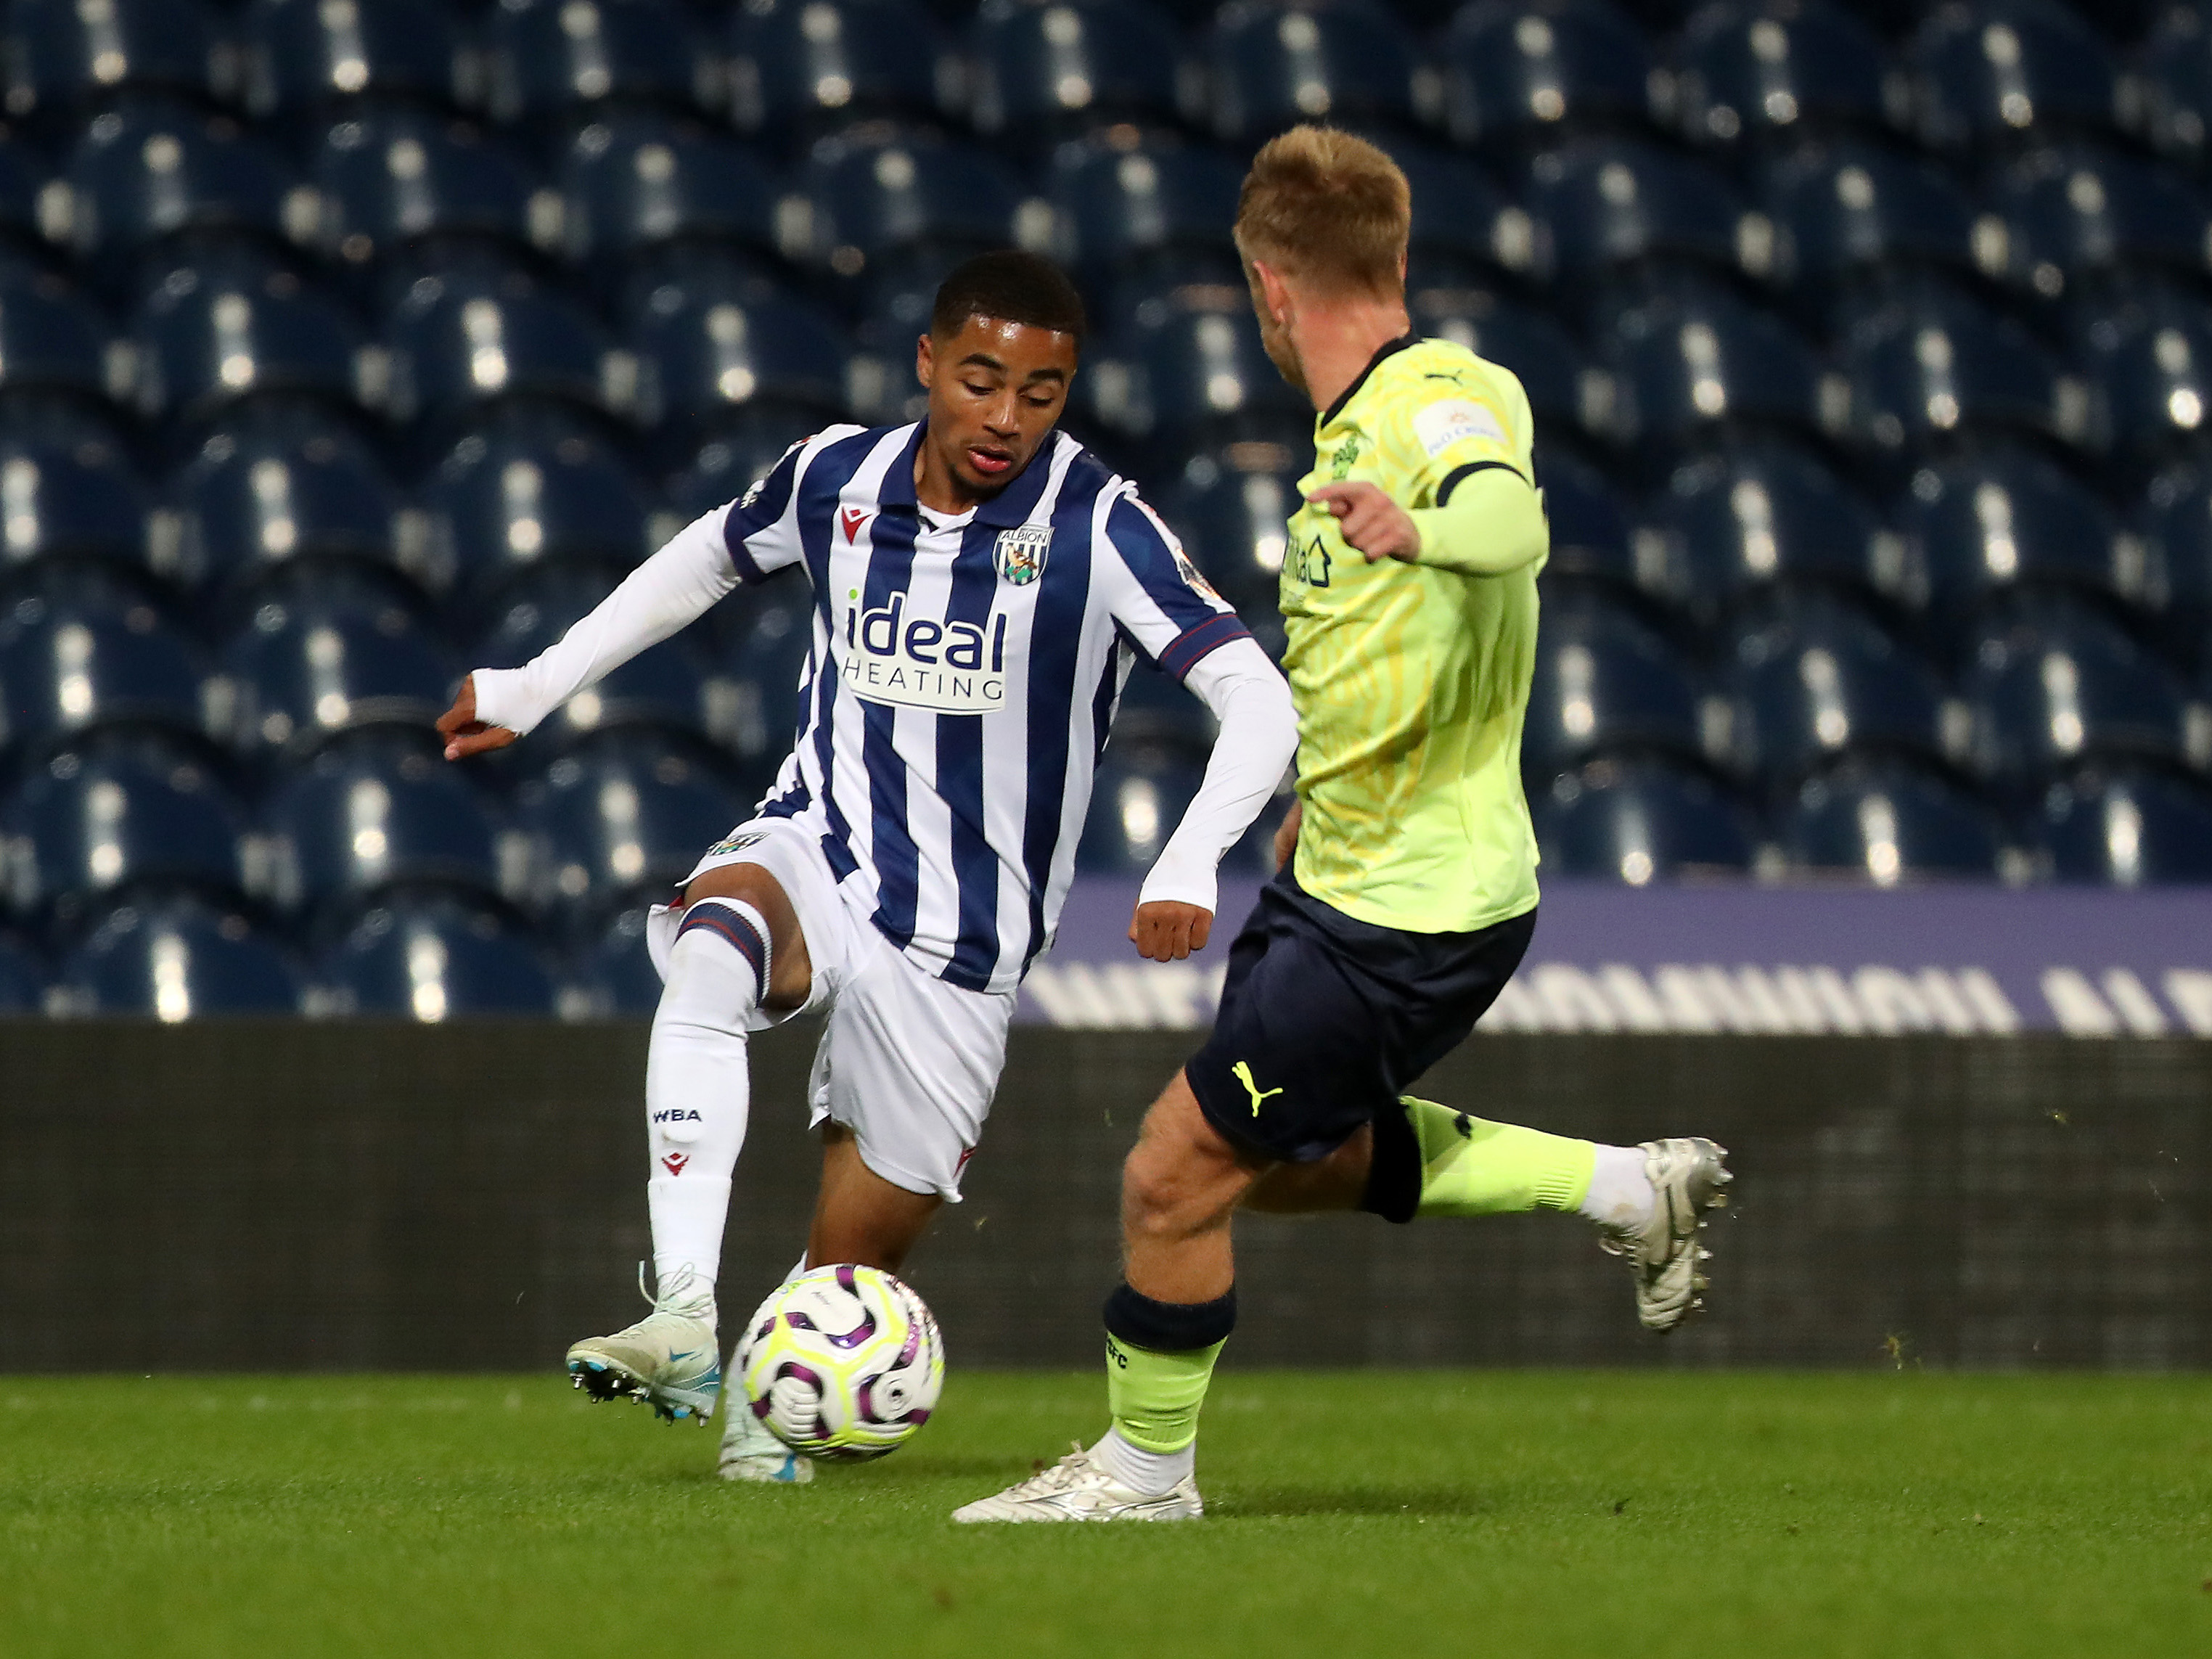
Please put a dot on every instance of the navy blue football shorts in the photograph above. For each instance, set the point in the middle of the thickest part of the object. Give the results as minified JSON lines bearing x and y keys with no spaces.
{"x":1326,"y":1021}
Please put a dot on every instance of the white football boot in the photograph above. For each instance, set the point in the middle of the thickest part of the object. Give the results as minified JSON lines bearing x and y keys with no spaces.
{"x":750,"y":1452}
{"x":1688,"y":1176}
{"x":671,"y":1359}
{"x":1077,"y":1489}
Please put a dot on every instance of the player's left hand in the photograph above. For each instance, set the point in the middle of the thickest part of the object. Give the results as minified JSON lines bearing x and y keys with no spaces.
{"x":1166,"y":931}
{"x":1370,"y":521}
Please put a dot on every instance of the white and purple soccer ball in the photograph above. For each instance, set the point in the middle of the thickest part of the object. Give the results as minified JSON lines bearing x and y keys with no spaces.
{"x":843,"y":1363}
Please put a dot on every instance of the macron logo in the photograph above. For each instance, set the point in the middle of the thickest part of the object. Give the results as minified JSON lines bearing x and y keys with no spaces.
{"x":852,"y":518}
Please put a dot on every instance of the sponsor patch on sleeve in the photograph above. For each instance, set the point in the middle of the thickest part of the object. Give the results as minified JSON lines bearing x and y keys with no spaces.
{"x":1454,"y":420}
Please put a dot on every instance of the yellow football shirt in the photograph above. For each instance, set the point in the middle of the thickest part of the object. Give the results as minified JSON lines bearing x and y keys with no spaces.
{"x":1411,"y":681}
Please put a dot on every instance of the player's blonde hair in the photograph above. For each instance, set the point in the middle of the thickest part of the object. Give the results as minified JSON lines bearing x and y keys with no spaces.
{"x":1326,"y":210}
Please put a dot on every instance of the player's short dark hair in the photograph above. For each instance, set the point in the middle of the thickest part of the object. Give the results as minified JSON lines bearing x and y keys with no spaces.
{"x":1015,"y":288}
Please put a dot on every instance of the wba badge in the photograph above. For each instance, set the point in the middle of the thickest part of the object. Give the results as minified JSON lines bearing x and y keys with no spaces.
{"x":1021,"y":552}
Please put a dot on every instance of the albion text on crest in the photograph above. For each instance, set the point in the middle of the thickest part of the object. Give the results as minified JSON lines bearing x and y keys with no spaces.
{"x":1021,"y":551}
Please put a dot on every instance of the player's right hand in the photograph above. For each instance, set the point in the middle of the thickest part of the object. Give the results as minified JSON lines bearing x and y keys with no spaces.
{"x":466,"y":734}
{"x":1287,"y":833}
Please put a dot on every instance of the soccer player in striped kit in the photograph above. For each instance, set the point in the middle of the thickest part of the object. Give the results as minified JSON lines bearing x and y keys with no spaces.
{"x":1408,"y":888}
{"x":980,"y":584}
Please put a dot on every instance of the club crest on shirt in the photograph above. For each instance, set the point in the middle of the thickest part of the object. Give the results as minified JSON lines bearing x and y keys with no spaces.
{"x":1020,"y":553}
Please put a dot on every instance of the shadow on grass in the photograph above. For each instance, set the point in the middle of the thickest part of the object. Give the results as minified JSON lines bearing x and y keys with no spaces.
{"x":1281,"y":1502}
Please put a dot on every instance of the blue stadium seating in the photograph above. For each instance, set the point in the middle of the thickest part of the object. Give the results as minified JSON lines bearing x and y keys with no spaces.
{"x":1041,"y":71}
{"x":1988,"y":73}
{"x":1273,"y":65}
{"x":373,"y":811}
{"x":435,"y":957}
{"x":1638,"y":821}
{"x":328,"y":651}
{"x":2054,"y":685}
{"x":1753,"y":73}
{"x":1853,"y":210}
{"x":1605,"y":682}
{"x":212,"y":333}
{"x":1617,"y":206}
{"x":1191,"y":371}
{"x":2132,"y":828}
{"x":801,"y":67}
{"x":24,"y":978}
{"x":615,"y":974}
{"x":51,"y":341}
{"x":1696,"y":363}
{"x":1135,"y":804}
{"x":659,"y":687}
{"x":2002,"y":520}
{"x":614,"y":822}
{"x":82,"y":651}
{"x":64,"y":55}
{"x":713,"y":341}
{"x":1889,"y":823}
{"x":1589,"y":525}
{"x":1229,"y":507}
{"x":2176,"y":522}
{"x":174,"y":957}
{"x":2079,"y":214}
{"x":2151,"y":357}
{"x":1517,"y":71}
{"x":2173,"y":91}
{"x":752,"y":695}
{"x":1465,"y":231}
{"x":301,"y":55}
{"x":1759,"y":517}
{"x":115,"y":813}
{"x":1816,"y":680}
{"x":67,"y":492}
{"x":873,"y":194}
{"x":1547,"y":360}
{"x":548,"y":58}
{"x":1930,"y":365}
{"x":473,"y":336}
{"x":1125,"y":199}
{"x":394,"y":178}
{"x":264,"y":495}
{"x":637,"y":182}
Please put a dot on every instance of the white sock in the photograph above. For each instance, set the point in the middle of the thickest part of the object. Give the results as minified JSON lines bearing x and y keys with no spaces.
{"x":1153,"y":1474}
{"x":1619,"y":1194}
{"x":697,"y":1088}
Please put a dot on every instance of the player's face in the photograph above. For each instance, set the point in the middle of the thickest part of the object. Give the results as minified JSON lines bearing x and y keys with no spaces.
{"x":996,"y":389}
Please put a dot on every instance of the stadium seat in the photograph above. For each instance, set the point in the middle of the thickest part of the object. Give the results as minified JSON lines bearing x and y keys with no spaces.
{"x":371,"y":811}
{"x":1617,"y":206}
{"x":712,"y":341}
{"x":1635,"y":822}
{"x":1929,"y":365}
{"x":114,"y":812}
{"x":150,"y":169}
{"x":1771,"y":70}
{"x":175,"y":957}
{"x":799,"y":68}
{"x":431,"y":957}
{"x":67,"y":492}
{"x":1190,"y":370}
{"x":64,"y":55}
{"x":614,"y":976}
{"x":1137,"y":798}
{"x":1520,"y":72}
{"x":2170,"y":92}
{"x":23,"y":977}
{"x":326,"y":651}
{"x":1156,"y":716}
{"x":260,"y":496}
{"x":22,"y":181}
{"x":1605,"y":682}
{"x":213,"y":333}
{"x":659,"y":687}
{"x":620,"y":821}
{"x":635,"y":183}
{"x":873,"y":194}
{"x":1124,"y":198}
{"x":752,"y":691}
{"x":471,"y":336}
{"x":2132,"y":828}
{"x":52,"y":342}
{"x":1852,"y":210}
{"x":1550,"y":365}
{"x":1039,"y":70}
{"x":2175,"y":521}
{"x":527,"y":494}
{"x":1692,"y":361}
{"x":2081,"y":214}
{"x":1589,"y":525}
{"x":82,"y":650}
{"x":545,"y":57}
{"x":2003,"y":521}
{"x":392,"y":178}
{"x":1274,"y":63}
{"x":2054,"y":685}
{"x":1995,"y":72}
{"x":1890,"y":823}
{"x":1816,"y":679}
{"x":1756,"y":518}
{"x":728,"y":465}
{"x":301,"y":55}
{"x":1230,"y":506}
{"x":2151,"y":357}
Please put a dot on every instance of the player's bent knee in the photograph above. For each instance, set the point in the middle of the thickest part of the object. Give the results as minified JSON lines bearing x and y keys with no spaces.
{"x":791,"y":974}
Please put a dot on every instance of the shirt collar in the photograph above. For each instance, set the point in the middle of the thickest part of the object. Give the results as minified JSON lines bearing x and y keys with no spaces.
{"x":1010,"y":507}
{"x":1388,"y":348}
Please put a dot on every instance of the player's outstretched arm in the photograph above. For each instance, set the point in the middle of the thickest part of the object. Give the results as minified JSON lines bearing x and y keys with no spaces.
{"x":464,"y":733}
{"x":1258,"y":736}
{"x":1490,"y":523}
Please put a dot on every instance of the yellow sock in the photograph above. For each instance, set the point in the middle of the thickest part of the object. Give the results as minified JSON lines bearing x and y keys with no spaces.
{"x":1470,"y":1166}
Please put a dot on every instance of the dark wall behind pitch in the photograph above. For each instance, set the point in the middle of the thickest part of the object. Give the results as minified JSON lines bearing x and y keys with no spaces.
{"x":293,"y":1195}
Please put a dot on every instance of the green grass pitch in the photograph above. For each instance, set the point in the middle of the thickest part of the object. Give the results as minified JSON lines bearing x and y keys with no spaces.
{"x":1350,"y":1514}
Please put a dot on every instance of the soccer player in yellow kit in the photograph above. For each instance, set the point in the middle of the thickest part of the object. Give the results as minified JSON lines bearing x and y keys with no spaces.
{"x":1407,"y":894}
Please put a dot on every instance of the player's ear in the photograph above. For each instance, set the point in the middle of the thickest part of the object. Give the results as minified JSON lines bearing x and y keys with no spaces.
{"x":925,"y":361}
{"x":1274,"y":290}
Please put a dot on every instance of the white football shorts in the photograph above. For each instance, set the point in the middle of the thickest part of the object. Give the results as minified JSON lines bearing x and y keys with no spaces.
{"x":908,"y":1063}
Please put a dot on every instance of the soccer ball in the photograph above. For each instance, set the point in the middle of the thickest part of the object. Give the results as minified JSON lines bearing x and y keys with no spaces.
{"x":843,"y":1362}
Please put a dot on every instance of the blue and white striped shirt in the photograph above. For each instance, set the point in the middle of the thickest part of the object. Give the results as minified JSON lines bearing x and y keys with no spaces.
{"x":962,"y":677}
